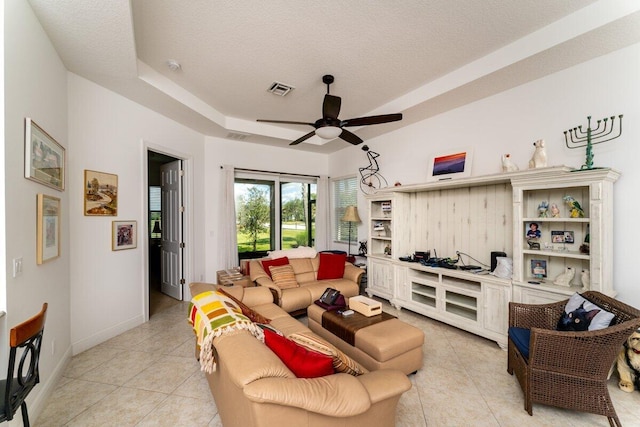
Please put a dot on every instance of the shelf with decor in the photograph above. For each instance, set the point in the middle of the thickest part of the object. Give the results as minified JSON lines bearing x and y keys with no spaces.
{"x":563,"y":224}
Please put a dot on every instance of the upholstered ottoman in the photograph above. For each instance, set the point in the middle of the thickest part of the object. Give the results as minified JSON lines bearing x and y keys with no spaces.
{"x":390,"y":344}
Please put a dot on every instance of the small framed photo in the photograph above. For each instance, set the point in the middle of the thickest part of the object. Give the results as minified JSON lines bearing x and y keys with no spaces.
{"x":47,"y":228}
{"x":44,"y":158}
{"x":124,"y":235}
{"x":539,"y":268}
{"x":562,"y":236}
{"x":100,"y":194}
{"x":450,"y":165}
{"x":533,"y":231}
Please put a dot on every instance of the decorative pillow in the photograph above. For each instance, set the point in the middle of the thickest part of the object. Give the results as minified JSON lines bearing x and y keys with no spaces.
{"x":283,"y":276}
{"x":601,"y":320}
{"x":275,"y":262}
{"x":302,"y":362}
{"x":331,"y":266}
{"x":341,"y":362}
{"x":254,"y":316}
{"x":212,"y":314}
{"x":299,"y":252}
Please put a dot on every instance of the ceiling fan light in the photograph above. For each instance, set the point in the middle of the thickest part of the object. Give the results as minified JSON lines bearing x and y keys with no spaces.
{"x":328,"y":132}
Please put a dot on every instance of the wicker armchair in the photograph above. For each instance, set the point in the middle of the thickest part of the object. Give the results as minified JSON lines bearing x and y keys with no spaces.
{"x":569,"y":369}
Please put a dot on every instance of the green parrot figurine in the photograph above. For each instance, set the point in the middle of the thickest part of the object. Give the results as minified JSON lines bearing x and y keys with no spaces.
{"x":575,"y":210}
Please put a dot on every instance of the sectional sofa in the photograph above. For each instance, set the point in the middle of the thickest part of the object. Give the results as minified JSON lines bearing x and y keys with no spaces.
{"x":253,"y":387}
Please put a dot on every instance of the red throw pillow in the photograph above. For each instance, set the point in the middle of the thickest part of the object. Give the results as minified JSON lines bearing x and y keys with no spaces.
{"x":275,"y":262}
{"x":331,"y":266}
{"x":302,"y":362}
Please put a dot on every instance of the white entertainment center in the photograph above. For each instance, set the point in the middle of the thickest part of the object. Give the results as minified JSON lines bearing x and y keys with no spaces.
{"x":476,"y":216}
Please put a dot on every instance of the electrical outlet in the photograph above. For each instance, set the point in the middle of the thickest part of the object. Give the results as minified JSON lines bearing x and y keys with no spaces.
{"x":17,"y":267}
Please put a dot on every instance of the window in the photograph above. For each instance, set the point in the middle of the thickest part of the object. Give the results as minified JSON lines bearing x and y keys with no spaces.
{"x":155,"y":212}
{"x":273,"y":212}
{"x":345,"y":193}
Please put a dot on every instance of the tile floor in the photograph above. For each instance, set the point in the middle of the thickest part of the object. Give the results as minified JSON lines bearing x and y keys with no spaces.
{"x":148,"y":376}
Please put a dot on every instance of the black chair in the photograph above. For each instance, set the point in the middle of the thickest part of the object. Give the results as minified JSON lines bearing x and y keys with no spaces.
{"x":14,"y":390}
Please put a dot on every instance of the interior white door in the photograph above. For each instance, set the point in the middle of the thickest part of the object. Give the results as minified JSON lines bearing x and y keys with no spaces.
{"x":172,"y":242}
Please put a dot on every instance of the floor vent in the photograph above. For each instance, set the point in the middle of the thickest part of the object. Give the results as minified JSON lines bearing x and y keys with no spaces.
{"x":280,"y":89}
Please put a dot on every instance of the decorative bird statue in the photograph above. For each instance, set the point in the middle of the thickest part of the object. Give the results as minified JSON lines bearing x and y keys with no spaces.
{"x":575,"y":210}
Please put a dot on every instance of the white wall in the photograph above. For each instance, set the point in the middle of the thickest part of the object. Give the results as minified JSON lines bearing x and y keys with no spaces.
{"x":36,"y":87}
{"x":220,"y":152}
{"x":108,"y":133}
{"x":509,"y":123}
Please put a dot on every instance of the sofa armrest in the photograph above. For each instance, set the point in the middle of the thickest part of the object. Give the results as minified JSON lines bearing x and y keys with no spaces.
{"x":251,"y":296}
{"x":353,"y":273}
{"x":268,"y":283}
{"x":337,"y":395}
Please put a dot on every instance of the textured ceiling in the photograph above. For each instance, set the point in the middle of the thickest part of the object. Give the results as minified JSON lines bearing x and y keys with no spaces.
{"x":418,"y":57}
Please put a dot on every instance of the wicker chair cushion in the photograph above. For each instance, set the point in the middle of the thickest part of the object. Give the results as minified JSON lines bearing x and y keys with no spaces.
{"x":520,"y":338}
{"x":601,"y":320}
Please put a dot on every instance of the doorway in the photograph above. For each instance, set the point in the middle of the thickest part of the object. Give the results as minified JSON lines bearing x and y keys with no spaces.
{"x":162,"y":235}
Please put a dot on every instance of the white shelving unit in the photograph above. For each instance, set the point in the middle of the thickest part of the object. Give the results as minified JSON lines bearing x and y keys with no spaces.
{"x":593,"y":190}
{"x":478,"y":215}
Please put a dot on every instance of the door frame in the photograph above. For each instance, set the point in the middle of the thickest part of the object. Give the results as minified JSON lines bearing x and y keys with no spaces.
{"x":187,"y":220}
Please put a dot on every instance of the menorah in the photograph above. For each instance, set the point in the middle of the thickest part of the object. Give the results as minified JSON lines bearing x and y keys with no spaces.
{"x":578,"y":138}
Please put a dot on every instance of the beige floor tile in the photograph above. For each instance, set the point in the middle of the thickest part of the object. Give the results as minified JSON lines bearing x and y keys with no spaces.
{"x":179,"y":411}
{"x":165,"y":375}
{"x":122,"y":368}
{"x":124,"y":407}
{"x":197,"y":387}
{"x":71,"y":399}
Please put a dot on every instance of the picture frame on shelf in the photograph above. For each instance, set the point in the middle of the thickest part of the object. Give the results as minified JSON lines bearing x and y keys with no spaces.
{"x":44,"y":158}
{"x":450,"y":165}
{"x":47,"y":228}
{"x":539,"y":268}
{"x":558,"y":236}
{"x":100,"y":193}
{"x":124,"y":235}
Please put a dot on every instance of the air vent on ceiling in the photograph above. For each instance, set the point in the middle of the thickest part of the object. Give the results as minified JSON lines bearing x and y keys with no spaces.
{"x":280,"y":89}
{"x":237,"y":136}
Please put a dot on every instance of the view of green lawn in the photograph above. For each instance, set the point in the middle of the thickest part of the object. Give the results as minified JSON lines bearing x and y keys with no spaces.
{"x":291,"y":238}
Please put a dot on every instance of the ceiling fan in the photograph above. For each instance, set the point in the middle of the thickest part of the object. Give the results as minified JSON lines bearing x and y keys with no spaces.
{"x":329,"y":126}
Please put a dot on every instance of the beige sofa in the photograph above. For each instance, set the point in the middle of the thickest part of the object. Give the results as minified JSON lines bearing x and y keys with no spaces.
{"x":296,"y":300}
{"x":252,"y":387}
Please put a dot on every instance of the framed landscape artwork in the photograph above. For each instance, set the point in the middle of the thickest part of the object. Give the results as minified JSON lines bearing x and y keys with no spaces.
{"x":100,"y":194}
{"x":124,"y":235}
{"x":44,"y":158}
{"x":47,"y":229}
{"x":450,"y":165}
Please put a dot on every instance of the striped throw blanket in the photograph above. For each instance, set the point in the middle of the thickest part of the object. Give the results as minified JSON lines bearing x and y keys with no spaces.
{"x":212,"y":314}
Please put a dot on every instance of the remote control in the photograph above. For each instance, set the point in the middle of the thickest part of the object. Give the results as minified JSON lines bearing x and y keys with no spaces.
{"x":347,"y":312}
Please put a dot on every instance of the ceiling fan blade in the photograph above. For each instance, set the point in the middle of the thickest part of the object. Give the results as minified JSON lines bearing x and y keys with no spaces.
{"x":284,"y":122}
{"x":304,"y":138}
{"x":331,"y":107}
{"x":350,"y":137}
{"x":372,"y":120}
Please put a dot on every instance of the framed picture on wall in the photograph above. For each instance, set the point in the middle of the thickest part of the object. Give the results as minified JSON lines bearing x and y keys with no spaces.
{"x":47,"y":228}
{"x":44,"y":158}
{"x":124,"y":235}
{"x":100,"y":194}
{"x":454,"y":164}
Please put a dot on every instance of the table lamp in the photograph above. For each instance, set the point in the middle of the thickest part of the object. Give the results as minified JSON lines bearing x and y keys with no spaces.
{"x":351,"y":216}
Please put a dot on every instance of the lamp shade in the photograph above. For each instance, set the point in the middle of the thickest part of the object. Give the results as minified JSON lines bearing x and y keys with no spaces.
{"x":328,"y":132}
{"x":351,"y":214}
